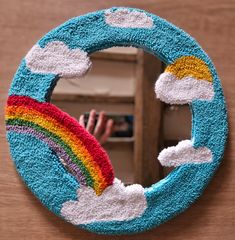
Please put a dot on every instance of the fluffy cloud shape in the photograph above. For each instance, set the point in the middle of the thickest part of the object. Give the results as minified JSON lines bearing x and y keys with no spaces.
{"x":184,"y":153}
{"x":57,"y":58}
{"x":170,"y":89}
{"x":124,"y":18}
{"x":116,"y":203}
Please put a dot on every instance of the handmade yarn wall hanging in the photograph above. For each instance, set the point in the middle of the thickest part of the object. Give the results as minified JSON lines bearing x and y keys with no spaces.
{"x":67,"y":169}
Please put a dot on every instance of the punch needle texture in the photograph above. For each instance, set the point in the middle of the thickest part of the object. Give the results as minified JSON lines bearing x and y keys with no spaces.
{"x":65,"y":166}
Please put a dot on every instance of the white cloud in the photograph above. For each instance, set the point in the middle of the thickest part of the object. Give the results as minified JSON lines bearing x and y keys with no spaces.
{"x":57,"y":58}
{"x":117,"y":203}
{"x":170,"y":89}
{"x":184,"y":153}
{"x":124,"y":18}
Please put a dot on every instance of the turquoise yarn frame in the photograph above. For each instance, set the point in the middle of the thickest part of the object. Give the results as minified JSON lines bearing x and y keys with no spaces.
{"x":53,"y":185}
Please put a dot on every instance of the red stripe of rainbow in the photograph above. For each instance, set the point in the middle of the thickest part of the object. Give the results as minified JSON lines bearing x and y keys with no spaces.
{"x":50,"y":119}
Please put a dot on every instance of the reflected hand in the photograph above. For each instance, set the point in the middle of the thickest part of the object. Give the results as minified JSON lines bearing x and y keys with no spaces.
{"x":102,"y":130}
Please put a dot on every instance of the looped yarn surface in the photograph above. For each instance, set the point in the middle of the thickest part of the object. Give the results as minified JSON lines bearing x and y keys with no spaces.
{"x":67,"y":169}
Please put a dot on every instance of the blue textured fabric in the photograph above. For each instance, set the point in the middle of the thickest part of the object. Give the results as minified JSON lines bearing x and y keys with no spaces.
{"x":35,"y":85}
{"x":49,"y":180}
{"x":42,"y":171}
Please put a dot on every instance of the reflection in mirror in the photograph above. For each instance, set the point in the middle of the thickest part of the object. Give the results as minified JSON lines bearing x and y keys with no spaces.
{"x":121,"y":83}
{"x":176,"y":126}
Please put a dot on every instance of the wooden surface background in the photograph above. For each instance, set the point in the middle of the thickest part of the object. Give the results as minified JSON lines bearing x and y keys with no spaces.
{"x":211,"y":22}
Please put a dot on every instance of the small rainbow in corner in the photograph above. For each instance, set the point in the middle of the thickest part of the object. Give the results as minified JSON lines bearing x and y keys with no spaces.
{"x":190,"y":66}
{"x":187,"y":79}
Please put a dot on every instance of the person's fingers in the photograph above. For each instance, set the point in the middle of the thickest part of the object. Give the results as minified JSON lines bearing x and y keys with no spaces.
{"x":108,"y":131}
{"x":91,"y":121}
{"x":82,"y":121}
{"x":100,"y":126}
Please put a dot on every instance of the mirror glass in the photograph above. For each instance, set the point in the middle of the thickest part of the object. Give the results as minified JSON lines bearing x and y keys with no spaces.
{"x":119,"y":83}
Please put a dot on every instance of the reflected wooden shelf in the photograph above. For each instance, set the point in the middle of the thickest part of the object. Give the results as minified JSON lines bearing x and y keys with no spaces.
{"x":92,"y":98}
{"x":121,"y":140}
{"x":121,"y":81}
{"x":117,"y":54}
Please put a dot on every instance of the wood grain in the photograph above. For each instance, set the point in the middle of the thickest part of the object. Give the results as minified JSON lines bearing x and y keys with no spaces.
{"x":147,"y":122}
{"x":211,"y":22}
